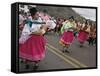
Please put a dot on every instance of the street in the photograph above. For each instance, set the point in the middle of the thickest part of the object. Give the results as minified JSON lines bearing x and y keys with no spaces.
{"x":84,"y":57}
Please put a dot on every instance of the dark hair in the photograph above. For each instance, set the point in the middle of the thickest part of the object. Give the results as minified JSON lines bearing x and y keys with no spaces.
{"x":33,"y":10}
{"x":71,"y":17}
{"x":45,"y":11}
{"x":86,"y":22}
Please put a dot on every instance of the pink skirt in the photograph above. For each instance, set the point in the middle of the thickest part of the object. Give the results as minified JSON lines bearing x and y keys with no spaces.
{"x":67,"y":37}
{"x":82,"y":36}
{"x":33,"y":49}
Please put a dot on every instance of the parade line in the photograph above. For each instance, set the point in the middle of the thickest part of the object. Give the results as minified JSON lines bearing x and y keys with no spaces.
{"x":75,"y":63}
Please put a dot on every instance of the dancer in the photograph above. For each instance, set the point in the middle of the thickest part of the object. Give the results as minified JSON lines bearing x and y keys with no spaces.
{"x":67,"y":34}
{"x":92,"y":34}
{"x":33,"y":48}
{"x":83,"y":33}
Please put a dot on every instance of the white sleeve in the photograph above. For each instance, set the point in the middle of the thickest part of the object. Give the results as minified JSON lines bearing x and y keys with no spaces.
{"x":40,"y":20}
{"x":35,"y":27}
{"x":51,"y":24}
{"x":26,"y":30}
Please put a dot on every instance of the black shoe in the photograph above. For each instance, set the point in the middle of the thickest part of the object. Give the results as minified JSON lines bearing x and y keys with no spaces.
{"x":81,"y":46}
{"x":26,"y":66}
{"x":21,"y":61}
{"x":67,"y":51}
{"x":35,"y":67}
{"x":63,"y":51}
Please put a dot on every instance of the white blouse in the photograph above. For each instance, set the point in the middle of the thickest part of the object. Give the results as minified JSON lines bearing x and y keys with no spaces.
{"x":35,"y":27}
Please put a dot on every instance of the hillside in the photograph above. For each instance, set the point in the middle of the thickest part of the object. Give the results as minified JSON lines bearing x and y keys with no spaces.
{"x":63,"y":12}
